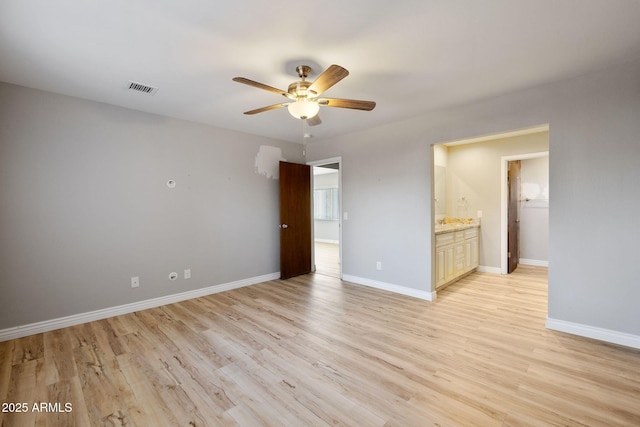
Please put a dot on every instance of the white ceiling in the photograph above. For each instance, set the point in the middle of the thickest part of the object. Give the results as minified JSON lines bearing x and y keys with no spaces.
{"x":408,"y":56}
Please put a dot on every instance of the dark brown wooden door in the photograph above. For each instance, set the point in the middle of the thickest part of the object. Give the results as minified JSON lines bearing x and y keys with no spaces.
{"x":513,"y":220}
{"x":295,"y":219}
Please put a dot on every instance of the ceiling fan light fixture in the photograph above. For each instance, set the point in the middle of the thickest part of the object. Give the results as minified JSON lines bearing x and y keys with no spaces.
{"x":303,"y":108}
{"x":304,"y":103}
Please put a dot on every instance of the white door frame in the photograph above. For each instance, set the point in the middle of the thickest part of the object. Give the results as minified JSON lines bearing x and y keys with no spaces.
{"x":330,"y":160}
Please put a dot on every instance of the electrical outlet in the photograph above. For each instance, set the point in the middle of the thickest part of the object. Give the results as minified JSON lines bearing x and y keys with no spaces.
{"x":173,"y":275}
{"x":135,"y":282}
{"x":378,"y":265}
{"x":187,"y":273}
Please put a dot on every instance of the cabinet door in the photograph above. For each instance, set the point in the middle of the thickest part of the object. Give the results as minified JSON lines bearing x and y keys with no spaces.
{"x":459,"y":251}
{"x":440,"y":267}
{"x":449,"y":262}
{"x":468,"y":253}
{"x":475,"y":252}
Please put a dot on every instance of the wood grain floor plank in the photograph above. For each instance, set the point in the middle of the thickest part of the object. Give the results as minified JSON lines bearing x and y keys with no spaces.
{"x":327,"y":258}
{"x":58,"y":356}
{"x":6,"y":363}
{"x":310,"y":388}
{"x":28,"y":348}
{"x":315,"y":350}
{"x":106,"y":391}
{"x":164,"y":399}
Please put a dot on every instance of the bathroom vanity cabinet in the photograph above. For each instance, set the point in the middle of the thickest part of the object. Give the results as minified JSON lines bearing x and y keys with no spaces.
{"x":457,"y":253}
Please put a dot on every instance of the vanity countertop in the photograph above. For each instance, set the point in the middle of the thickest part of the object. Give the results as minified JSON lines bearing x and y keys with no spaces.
{"x":447,"y":228}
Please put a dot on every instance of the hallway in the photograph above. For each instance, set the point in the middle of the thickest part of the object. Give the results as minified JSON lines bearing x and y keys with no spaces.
{"x":327,"y":257}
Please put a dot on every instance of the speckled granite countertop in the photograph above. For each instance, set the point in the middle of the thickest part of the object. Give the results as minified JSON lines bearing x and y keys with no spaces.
{"x":446,"y":228}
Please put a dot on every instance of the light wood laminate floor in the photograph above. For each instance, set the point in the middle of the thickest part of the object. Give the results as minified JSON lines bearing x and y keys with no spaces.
{"x":315,"y":351}
{"x":327,"y":258}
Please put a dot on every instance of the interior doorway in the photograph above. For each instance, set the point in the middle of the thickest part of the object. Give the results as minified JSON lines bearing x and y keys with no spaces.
{"x":467,"y":183}
{"x":531,"y":200}
{"x":326,"y":216}
{"x":514,"y":182}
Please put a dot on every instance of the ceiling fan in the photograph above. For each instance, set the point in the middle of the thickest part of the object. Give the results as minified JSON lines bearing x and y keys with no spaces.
{"x":304,"y":98}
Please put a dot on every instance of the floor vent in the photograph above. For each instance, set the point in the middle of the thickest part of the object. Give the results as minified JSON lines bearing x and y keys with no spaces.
{"x":139,"y":87}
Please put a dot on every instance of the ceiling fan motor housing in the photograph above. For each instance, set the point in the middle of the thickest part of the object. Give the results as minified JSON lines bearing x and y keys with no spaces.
{"x":299,"y":90}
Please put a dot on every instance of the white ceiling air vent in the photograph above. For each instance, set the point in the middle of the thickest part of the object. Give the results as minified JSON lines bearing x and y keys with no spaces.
{"x":140,"y":87}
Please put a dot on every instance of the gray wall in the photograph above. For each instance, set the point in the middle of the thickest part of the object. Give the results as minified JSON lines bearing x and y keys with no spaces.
{"x":84,"y":206}
{"x":594,"y":144}
{"x":385,"y":191}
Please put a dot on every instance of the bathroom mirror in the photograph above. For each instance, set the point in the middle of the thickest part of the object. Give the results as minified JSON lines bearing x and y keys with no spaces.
{"x":440,"y":190}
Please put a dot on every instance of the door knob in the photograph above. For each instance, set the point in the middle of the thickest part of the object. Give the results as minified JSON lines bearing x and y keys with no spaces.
{"x":283,"y":226}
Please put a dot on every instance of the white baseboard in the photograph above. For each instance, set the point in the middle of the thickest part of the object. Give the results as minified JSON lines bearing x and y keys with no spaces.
{"x":535,"y":262}
{"x":77,"y":319}
{"x":416,"y":293}
{"x":601,"y":334}
{"x":326,"y":241}
{"x":492,"y":270}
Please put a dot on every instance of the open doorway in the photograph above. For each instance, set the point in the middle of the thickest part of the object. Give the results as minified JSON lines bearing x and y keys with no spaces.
{"x":469,"y":184}
{"x":525,"y":211}
{"x":514,"y":182}
{"x":327,"y":225}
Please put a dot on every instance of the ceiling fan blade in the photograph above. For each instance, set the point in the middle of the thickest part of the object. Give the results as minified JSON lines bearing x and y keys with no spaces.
{"x":263,"y":109}
{"x":261,"y":86}
{"x":314,"y":121}
{"x":328,"y":78}
{"x":354,"y":104}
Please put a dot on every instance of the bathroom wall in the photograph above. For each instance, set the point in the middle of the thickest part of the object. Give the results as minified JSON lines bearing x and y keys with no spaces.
{"x":534,"y":212}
